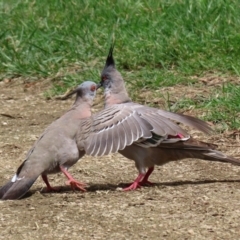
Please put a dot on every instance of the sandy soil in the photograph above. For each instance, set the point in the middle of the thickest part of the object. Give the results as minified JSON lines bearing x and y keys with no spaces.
{"x":191,"y":199}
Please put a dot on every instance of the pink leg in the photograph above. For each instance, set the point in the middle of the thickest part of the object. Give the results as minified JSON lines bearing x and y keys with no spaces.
{"x":145,"y":179}
{"x":72,"y":182}
{"x":49,"y":187}
{"x":136,"y":183}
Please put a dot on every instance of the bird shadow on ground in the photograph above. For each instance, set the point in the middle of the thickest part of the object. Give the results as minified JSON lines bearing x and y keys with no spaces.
{"x":113,"y":187}
{"x":195,"y":182}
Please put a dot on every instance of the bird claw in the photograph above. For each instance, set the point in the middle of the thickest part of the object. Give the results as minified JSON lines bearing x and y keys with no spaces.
{"x":133,"y":186}
{"x":136,"y":185}
{"x":76,"y":185}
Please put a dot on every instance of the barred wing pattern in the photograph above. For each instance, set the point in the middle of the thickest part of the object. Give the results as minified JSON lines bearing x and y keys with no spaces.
{"x":121,"y":125}
{"x":112,"y":130}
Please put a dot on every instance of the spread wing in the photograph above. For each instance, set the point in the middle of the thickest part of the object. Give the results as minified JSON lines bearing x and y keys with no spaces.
{"x":178,"y":117}
{"x":121,"y":125}
{"x":112,"y":129}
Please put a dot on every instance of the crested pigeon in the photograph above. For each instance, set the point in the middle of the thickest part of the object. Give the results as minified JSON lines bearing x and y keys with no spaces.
{"x":141,"y":133}
{"x":55,"y":150}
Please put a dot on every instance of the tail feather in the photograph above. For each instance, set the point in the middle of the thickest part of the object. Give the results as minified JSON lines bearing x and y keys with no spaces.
{"x":16,"y":188}
{"x":192,"y":148}
{"x":5,"y":188}
{"x":215,"y":155}
{"x":21,"y":182}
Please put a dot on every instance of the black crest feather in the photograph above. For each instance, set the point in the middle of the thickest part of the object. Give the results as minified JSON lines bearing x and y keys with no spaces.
{"x":110,"y":60}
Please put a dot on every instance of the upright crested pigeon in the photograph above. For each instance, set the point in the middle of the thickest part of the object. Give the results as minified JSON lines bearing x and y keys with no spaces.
{"x":141,"y":133}
{"x":55,"y":150}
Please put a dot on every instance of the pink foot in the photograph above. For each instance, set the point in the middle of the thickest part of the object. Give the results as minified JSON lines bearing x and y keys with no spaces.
{"x":133,"y":186}
{"x":136,"y":184}
{"x":49,"y":187}
{"x":76,"y":185}
{"x":72,"y":182}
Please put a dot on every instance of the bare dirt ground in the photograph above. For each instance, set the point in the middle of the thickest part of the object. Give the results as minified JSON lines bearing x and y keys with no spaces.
{"x":191,"y":199}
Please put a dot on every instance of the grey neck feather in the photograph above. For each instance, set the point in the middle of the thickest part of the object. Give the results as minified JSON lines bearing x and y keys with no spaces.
{"x":116,"y":94}
{"x":82,"y":100}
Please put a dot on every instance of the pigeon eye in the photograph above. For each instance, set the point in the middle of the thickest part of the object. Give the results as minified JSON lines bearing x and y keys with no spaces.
{"x":93,"y":88}
{"x":104,"y":77}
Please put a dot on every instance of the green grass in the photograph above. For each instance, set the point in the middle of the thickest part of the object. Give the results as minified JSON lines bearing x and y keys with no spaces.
{"x":158,"y":43}
{"x":222,"y":107}
{"x":38,"y":38}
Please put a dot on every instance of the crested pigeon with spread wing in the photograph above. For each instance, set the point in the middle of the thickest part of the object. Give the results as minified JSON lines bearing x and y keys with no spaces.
{"x":147,"y":135}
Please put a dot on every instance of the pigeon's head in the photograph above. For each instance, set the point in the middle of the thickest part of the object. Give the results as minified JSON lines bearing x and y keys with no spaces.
{"x":111,"y":79}
{"x":86,"y":91}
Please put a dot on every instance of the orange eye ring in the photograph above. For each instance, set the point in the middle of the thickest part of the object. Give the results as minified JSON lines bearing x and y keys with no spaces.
{"x":93,"y":88}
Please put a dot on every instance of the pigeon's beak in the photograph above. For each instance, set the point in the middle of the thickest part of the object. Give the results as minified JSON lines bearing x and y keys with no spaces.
{"x":99,"y":85}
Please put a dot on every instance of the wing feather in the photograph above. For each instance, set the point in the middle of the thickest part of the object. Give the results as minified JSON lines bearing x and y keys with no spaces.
{"x":116,"y":139}
{"x":104,"y":142}
{"x":187,"y":120}
{"x":122,"y":137}
{"x":110,"y":140}
{"x":121,"y":125}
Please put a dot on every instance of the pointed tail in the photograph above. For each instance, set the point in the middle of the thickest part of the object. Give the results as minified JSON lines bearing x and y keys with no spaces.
{"x":192,"y":148}
{"x":214,"y":155}
{"x":18,"y":186}
{"x":17,"y":189}
{"x":5,"y":188}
